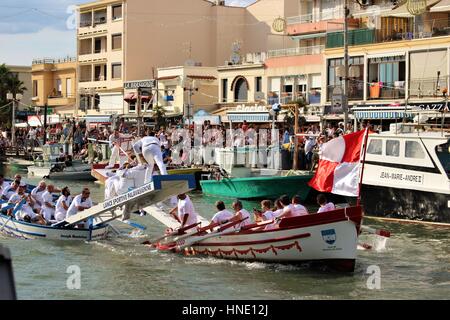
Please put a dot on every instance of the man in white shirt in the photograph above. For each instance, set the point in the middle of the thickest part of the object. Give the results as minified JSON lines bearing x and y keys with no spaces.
{"x":48,"y":206}
{"x":3,"y":184}
{"x":110,"y":185}
{"x":240,"y":214}
{"x":26,"y":212}
{"x":148,"y":150}
{"x":186,"y":211}
{"x":288,"y":210}
{"x":80,"y":203}
{"x":63,"y":204}
{"x":114,"y":144}
{"x":223,"y":215}
{"x":10,"y":190}
{"x":325,"y":206}
{"x":125,"y":182}
{"x":298,"y":208}
{"x":266,"y":213}
{"x":37,"y":194}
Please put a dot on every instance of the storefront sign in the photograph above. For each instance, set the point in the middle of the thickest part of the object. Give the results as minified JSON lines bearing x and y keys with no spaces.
{"x":435,"y":106}
{"x":139,"y":84}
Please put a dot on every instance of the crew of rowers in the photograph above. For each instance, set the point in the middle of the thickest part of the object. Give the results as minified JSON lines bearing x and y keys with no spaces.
{"x":284,"y":208}
{"x":40,"y":206}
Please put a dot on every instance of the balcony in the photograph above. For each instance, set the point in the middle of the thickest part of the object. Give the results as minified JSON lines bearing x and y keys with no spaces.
{"x":299,"y":51}
{"x":61,"y":100}
{"x":428,"y":88}
{"x":355,"y":37}
{"x":386,"y":90}
{"x":324,"y":22}
{"x":355,"y":91}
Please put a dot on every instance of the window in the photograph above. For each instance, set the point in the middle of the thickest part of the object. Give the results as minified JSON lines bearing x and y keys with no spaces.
{"x":117,"y":41}
{"x":375,"y":147}
{"x":393,"y":148}
{"x":35,"y":88}
{"x":356,"y":86}
{"x":117,"y":71}
{"x":117,"y":12}
{"x":132,"y":106}
{"x":68,"y":87}
{"x":224,"y":90}
{"x":443,"y":153}
{"x":58,"y":87}
{"x":414,"y":150}
{"x":241,"y":90}
{"x":258,"y":84}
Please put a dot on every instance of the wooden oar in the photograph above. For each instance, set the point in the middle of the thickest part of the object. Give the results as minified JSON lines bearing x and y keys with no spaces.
{"x":226,"y":229}
{"x":380,"y":232}
{"x":176,"y":232}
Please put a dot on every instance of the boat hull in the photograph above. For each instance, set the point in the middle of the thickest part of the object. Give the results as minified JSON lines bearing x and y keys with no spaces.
{"x":330,"y":238}
{"x":397,"y":203}
{"x":82,"y":172}
{"x":258,"y":187}
{"x":20,"y":229}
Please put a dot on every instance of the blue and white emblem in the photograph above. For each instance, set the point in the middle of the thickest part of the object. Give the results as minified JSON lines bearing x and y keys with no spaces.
{"x":329,"y":236}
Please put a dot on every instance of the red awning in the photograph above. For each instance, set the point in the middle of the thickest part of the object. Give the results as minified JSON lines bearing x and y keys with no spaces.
{"x":130,"y":97}
{"x":145,"y":98}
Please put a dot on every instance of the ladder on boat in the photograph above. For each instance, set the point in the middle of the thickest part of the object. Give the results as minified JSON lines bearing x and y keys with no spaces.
{"x":121,"y":207}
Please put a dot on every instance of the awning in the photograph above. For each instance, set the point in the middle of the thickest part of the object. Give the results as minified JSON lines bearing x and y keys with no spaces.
{"x":382,"y":113}
{"x":167,"y":78}
{"x":145,"y":98}
{"x":130,"y":97}
{"x":215,"y":120}
{"x":402,"y":11}
{"x":202,"y":77}
{"x":249,"y":117}
{"x":98,"y":119}
{"x":309,"y":36}
{"x":387,"y":55}
{"x":442,"y":6}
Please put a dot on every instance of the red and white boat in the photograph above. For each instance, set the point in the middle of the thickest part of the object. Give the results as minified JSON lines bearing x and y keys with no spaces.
{"x":328,"y":238}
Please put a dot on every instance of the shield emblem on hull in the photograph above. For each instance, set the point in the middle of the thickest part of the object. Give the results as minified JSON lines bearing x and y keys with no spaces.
{"x":329,"y":236}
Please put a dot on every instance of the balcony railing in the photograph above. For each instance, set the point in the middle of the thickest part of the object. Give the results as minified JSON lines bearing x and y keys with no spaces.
{"x":310,"y":17}
{"x":299,"y":51}
{"x":54,"y":61}
{"x":386,"y":90}
{"x":355,"y":91}
{"x":429,"y":87}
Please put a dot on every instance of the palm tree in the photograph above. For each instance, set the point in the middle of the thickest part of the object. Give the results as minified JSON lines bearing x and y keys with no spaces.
{"x":159,"y":113}
{"x":9,"y":82}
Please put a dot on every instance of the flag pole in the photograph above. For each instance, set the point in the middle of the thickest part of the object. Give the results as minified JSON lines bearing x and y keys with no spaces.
{"x":366,"y":137}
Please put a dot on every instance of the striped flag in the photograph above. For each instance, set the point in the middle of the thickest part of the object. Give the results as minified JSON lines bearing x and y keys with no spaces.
{"x":339,"y":165}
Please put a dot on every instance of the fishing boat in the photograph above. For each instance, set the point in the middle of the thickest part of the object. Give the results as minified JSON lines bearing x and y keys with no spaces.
{"x":100,"y":215}
{"x":50,"y":167}
{"x":327,"y":239}
{"x":407,"y":174}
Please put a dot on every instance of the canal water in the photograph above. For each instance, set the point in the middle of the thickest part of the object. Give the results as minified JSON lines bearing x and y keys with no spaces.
{"x":414,"y":264}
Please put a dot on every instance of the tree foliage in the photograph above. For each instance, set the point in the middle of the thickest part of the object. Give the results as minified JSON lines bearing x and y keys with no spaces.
{"x":9,"y":83}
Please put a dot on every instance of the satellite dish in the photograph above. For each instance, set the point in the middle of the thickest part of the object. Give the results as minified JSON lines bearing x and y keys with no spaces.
{"x":235,"y":58}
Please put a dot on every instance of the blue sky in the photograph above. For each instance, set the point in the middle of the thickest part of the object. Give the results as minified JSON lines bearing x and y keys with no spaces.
{"x":41,"y":28}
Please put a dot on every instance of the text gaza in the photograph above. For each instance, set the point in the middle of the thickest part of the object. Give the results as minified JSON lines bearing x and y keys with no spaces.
{"x":130,"y":195}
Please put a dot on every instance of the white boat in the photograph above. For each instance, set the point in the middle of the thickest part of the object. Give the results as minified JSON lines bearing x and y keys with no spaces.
{"x":118,"y":208}
{"x":329,"y":238}
{"x":24,"y":230}
{"x":407,"y":175}
{"x":50,"y":167}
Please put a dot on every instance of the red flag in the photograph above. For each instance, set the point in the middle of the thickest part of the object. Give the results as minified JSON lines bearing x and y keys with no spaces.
{"x":339,"y":165}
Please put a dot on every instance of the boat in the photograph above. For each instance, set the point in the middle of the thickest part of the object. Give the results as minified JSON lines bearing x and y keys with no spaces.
{"x":48,"y":166}
{"x":407,"y":175}
{"x":101,"y":174}
{"x":100,"y":215}
{"x":329,"y":239}
{"x":260,"y":186}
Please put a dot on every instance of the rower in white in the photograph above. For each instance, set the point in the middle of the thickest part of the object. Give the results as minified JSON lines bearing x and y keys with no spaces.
{"x":223,"y":215}
{"x":10,"y":190}
{"x":325,"y":206}
{"x":187,"y":215}
{"x":299,"y":209}
{"x":26,"y":212}
{"x":37,"y":193}
{"x":3,"y":184}
{"x":240,"y":214}
{"x":62,"y":205}
{"x":148,"y":150}
{"x":48,"y":206}
{"x":80,"y":203}
{"x":110,"y":185}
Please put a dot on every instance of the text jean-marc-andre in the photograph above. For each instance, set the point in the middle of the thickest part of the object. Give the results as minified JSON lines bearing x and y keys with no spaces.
{"x":229,"y":309}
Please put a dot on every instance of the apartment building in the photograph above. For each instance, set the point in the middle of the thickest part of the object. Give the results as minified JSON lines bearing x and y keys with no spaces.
{"x":401,"y":62}
{"x":128,"y":40}
{"x":24,"y":74}
{"x":54,"y":84}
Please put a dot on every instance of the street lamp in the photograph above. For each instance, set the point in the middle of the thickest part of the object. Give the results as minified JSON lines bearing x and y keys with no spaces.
{"x":10,"y":97}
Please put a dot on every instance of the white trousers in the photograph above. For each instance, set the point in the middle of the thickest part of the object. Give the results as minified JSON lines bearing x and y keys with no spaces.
{"x":115,"y":156}
{"x":60,"y":216}
{"x":152,"y":154}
